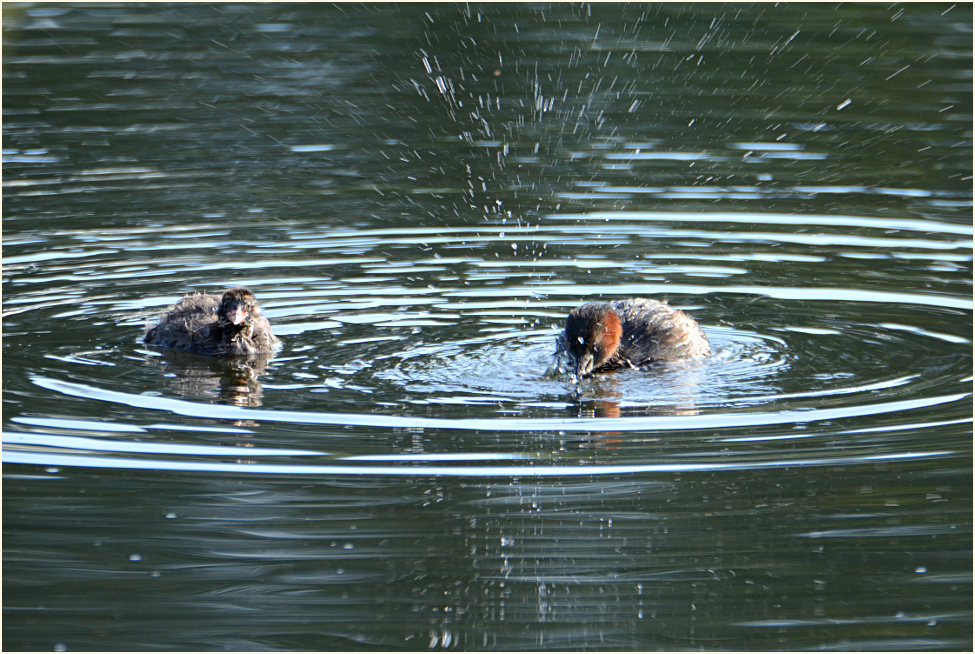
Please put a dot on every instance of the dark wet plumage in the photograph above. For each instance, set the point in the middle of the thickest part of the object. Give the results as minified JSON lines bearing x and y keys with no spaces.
{"x":629,"y":333}
{"x":230,"y":324}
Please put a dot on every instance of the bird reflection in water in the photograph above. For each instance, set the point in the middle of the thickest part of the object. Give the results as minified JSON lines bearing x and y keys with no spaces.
{"x":233,"y":380}
{"x":611,"y":396}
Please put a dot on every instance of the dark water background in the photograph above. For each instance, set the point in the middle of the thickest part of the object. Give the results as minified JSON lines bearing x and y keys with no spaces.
{"x":418,"y":193}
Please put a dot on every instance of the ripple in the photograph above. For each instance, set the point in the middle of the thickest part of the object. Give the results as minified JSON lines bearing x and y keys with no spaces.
{"x":95,"y":444}
{"x":452,"y":329}
{"x":417,"y":223}
{"x":517,"y":366}
{"x":725,"y":420}
{"x":13,"y":455}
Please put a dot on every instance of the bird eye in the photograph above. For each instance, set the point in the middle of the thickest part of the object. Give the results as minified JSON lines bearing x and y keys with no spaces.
{"x":581,"y":340}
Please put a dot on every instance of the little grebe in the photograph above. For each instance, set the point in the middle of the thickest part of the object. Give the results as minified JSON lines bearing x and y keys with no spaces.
{"x":629,"y":333}
{"x":225,"y":325}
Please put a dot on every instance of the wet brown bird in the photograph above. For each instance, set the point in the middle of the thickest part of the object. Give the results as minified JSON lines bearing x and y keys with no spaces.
{"x":629,"y":333}
{"x":224,"y":325}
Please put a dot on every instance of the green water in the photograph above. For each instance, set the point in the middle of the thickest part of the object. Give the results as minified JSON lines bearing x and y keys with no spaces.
{"x":418,"y":194}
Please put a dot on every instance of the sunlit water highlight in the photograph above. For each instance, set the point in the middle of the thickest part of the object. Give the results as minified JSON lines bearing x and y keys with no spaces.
{"x":458,"y":344}
{"x":418,"y":195}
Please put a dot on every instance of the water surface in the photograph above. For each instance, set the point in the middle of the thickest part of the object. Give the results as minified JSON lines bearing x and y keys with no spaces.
{"x":418,"y":194}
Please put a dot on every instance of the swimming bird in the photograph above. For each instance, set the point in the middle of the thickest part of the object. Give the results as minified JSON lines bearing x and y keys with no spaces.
{"x":228,"y":324}
{"x":629,"y":333}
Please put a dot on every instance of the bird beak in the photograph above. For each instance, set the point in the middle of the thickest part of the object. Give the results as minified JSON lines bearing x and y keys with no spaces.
{"x":237,"y":315}
{"x":584,"y":365}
